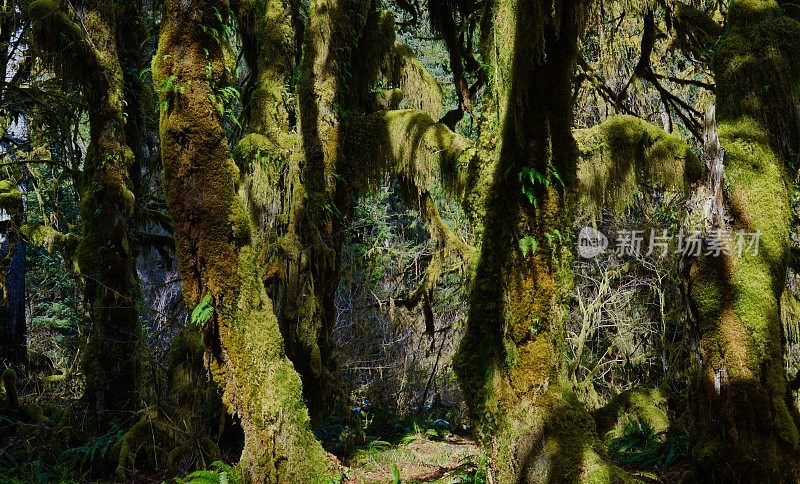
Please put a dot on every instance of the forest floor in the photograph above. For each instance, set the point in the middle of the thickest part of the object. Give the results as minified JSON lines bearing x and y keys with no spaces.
{"x":453,"y":459}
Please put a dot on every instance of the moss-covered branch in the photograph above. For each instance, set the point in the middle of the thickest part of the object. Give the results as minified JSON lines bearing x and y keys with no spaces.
{"x":50,"y":239}
{"x":420,"y":90}
{"x":407,"y":143}
{"x":624,"y":154}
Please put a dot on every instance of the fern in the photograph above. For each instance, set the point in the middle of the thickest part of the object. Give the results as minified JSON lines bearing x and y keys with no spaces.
{"x":202,"y":313}
{"x":218,"y":473}
{"x":528,"y":245}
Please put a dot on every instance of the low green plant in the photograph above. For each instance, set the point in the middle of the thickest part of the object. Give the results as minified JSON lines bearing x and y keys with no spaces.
{"x":641,"y":447}
{"x":218,"y":473}
{"x":93,"y":453}
{"x":203,"y":312}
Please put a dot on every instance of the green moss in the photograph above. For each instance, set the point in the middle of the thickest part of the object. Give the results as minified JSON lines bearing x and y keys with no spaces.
{"x":648,"y":406}
{"x":58,"y":35}
{"x":401,"y":69}
{"x":10,"y":197}
{"x":624,"y":153}
{"x":407,"y":143}
{"x":50,"y":239}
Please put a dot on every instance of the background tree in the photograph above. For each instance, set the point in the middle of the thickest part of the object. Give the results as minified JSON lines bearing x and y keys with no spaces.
{"x":104,"y":253}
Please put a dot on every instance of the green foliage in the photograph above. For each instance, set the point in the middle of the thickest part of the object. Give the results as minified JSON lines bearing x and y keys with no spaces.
{"x":224,"y":29}
{"x":218,"y":473}
{"x":222,"y":100}
{"x":169,"y":87}
{"x":641,"y":447}
{"x":528,"y":245}
{"x":553,"y":236}
{"x":202,"y":313}
{"x":93,"y":453}
{"x":531,"y":179}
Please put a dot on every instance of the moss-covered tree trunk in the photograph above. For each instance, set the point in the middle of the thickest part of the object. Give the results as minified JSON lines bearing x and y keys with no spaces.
{"x":85,"y":50}
{"x":509,"y":362}
{"x":270,"y":157}
{"x":342,"y":50}
{"x":745,"y":428}
{"x":218,"y":265}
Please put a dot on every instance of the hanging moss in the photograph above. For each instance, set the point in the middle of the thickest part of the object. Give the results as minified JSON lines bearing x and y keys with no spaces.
{"x":625,"y":153}
{"x":407,"y":143}
{"x":401,"y":69}
{"x":337,"y":75}
{"x":50,"y":239}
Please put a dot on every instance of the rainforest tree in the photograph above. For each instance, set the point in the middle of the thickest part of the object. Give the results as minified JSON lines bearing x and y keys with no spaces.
{"x":746,"y":426}
{"x":84,"y":50}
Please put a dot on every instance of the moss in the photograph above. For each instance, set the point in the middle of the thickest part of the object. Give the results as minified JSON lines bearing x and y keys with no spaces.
{"x":648,"y":406}
{"x":625,"y":153}
{"x":50,"y":239}
{"x":407,"y":143}
{"x":402,"y":70}
{"x":790,"y":315}
{"x":546,"y":443}
{"x":269,"y":47}
{"x":10,"y":197}
{"x":60,"y":36}
{"x":33,"y":413}
{"x":270,"y":157}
